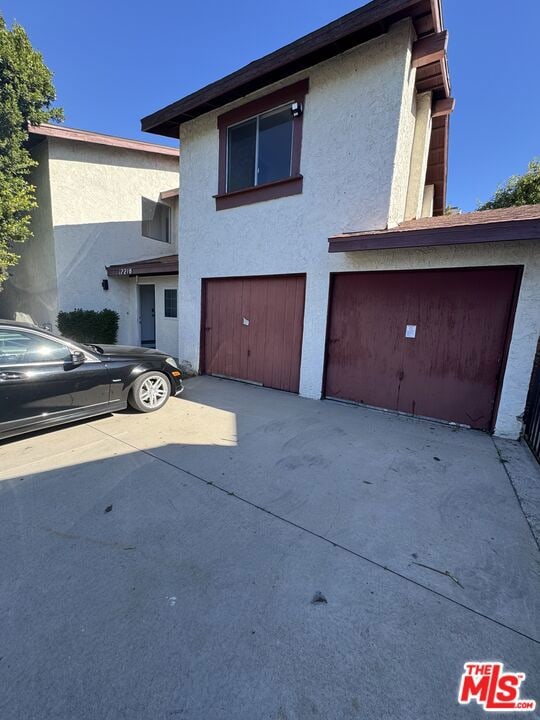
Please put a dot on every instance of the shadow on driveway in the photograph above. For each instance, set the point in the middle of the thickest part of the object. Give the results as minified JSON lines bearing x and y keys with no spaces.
{"x":165,"y":565}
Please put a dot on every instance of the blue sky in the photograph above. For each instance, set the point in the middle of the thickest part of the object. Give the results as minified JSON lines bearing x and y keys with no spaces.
{"x":116,"y":61}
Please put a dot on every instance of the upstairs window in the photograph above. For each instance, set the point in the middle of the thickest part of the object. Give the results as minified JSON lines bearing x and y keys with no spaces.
{"x":259,"y":148}
{"x":156,"y":220}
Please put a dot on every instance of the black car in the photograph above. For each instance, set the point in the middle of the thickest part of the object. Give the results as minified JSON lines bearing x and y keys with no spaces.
{"x":46,"y":380}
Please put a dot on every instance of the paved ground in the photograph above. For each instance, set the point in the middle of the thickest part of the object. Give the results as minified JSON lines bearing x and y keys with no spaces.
{"x":164,"y":566}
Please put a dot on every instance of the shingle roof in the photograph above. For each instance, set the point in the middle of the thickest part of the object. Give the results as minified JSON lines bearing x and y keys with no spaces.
{"x":515,"y":223}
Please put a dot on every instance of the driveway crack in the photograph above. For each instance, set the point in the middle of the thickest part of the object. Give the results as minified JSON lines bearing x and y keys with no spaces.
{"x":516,"y":492}
{"x":346,"y":549}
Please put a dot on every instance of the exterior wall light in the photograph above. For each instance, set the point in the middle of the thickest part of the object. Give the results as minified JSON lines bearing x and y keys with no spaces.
{"x":105,"y":284}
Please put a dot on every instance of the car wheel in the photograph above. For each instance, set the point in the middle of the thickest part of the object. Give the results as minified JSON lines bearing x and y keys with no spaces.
{"x":149,"y":392}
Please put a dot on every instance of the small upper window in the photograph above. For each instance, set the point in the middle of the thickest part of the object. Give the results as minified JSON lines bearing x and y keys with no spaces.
{"x":259,"y":150}
{"x":170,"y":300}
{"x":156,"y":220}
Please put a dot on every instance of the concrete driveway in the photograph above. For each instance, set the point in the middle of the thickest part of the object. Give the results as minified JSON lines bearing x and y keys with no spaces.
{"x":165,"y":566}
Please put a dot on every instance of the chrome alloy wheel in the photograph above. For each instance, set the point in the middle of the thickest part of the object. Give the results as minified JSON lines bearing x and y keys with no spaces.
{"x":153,"y":391}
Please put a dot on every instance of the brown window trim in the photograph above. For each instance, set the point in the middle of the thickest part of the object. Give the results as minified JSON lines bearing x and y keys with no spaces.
{"x":279,"y":188}
{"x":260,"y":193}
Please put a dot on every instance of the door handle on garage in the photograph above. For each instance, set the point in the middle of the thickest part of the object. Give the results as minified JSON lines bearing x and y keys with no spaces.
{"x":11,"y":376}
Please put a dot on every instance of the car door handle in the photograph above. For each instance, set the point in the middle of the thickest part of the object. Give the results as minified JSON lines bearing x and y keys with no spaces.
{"x":11,"y":376}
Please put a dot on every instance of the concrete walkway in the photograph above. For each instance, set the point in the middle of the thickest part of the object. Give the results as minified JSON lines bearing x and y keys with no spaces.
{"x":165,"y":565}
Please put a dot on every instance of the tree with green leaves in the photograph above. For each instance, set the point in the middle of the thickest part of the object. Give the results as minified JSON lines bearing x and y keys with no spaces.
{"x":518,"y":190}
{"x":26,"y":97}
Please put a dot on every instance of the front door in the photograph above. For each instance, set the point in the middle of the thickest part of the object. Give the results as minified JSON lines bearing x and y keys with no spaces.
{"x":147,"y":312}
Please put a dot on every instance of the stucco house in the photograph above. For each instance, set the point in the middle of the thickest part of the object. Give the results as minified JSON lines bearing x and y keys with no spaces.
{"x":103,"y":203}
{"x":315,"y":254}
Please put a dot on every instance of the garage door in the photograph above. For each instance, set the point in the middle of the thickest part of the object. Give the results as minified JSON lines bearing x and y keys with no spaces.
{"x":429,"y":343}
{"x":253,"y":329}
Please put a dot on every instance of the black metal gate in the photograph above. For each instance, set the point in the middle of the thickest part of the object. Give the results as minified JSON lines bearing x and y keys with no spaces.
{"x":532,"y":411}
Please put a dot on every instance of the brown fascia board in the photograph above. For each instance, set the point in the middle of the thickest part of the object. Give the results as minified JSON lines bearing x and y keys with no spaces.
{"x":65,"y":133}
{"x":429,"y":49}
{"x":169,"y":194}
{"x":437,"y":14}
{"x":165,"y":265}
{"x":357,"y":27}
{"x":430,"y":237}
{"x":442,"y":107}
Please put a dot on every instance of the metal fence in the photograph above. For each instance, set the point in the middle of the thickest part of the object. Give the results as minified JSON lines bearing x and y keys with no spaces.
{"x":532,"y":412}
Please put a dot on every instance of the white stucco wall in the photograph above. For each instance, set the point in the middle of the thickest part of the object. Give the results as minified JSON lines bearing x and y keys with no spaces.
{"x":404,"y":141}
{"x":350,"y":127}
{"x":356,"y":176}
{"x":419,"y":158}
{"x":427,"y":201}
{"x":30,"y":292}
{"x":96,"y":196}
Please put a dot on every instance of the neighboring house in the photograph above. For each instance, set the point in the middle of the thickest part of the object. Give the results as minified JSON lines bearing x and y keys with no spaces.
{"x":103,"y":201}
{"x":343,"y":134}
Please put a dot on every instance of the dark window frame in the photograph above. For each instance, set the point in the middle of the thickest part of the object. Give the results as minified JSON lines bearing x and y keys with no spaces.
{"x":268,"y":191}
{"x":165,"y":291}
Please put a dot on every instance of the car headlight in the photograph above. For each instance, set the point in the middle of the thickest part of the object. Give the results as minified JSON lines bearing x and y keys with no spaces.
{"x":171,"y":361}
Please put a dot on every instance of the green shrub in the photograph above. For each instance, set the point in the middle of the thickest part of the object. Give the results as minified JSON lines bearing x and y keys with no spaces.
{"x":89,"y":326}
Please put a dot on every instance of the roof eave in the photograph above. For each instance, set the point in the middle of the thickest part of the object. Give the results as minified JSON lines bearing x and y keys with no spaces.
{"x":351,"y":30}
{"x":165,"y":265}
{"x":509,"y":231}
{"x":61,"y":132}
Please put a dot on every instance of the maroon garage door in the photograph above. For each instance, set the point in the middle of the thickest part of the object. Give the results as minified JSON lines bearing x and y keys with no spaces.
{"x":431,"y":343}
{"x":252,"y":329}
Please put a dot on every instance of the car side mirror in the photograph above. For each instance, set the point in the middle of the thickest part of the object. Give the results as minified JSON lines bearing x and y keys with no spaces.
{"x":77,"y":358}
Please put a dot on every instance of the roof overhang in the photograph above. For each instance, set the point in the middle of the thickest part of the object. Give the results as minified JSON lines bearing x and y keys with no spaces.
{"x":430,"y":60}
{"x":39,"y":132}
{"x":169,"y":194}
{"x":468,"y":229}
{"x":166,"y":265}
{"x":357,"y":27}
